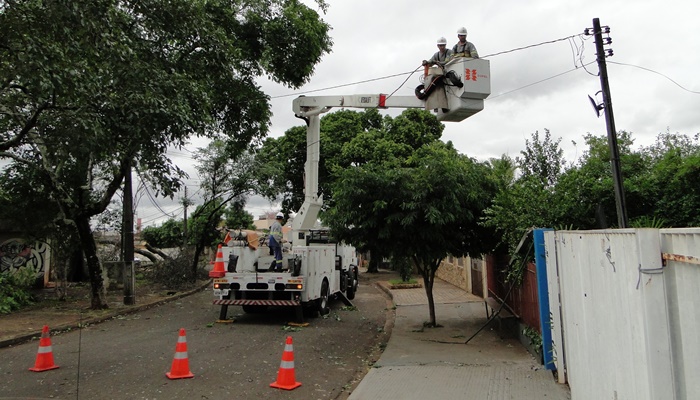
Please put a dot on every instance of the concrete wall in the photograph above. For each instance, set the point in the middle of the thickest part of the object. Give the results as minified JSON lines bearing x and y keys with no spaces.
{"x":16,"y":252}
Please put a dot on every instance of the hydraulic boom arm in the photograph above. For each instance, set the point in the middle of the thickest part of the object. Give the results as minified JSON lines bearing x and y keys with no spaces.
{"x":464,"y":102}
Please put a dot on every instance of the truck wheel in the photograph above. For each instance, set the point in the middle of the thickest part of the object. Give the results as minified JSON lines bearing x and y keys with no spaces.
{"x":310,"y":311}
{"x":352,"y":284}
{"x":322,"y":302}
{"x":350,"y":293}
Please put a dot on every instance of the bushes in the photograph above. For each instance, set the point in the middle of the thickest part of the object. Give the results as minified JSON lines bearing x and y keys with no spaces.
{"x":15,"y":289}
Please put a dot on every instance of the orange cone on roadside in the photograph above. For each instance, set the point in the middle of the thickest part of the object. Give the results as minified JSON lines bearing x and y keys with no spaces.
{"x":181,"y":365}
{"x":285,"y":376}
{"x":44,"y":357}
{"x":218,"y":271}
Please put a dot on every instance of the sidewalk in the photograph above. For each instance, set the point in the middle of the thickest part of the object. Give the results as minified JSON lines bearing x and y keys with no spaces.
{"x":422,"y":363}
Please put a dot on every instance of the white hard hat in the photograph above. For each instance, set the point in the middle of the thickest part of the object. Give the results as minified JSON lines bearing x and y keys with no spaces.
{"x":462,"y":31}
{"x":442,"y":40}
{"x":279,"y":215}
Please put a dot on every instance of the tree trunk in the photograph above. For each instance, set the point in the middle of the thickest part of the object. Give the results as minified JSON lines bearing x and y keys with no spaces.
{"x":375,"y":259}
{"x":428,"y":272}
{"x":199,"y":247}
{"x":148,"y":255}
{"x":428,"y":284}
{"x":157,"y":251}
{"x":75,"y":271}
{"x":87,"y":241}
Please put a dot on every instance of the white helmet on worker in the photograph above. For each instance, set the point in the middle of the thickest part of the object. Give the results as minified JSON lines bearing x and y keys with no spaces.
{"x":442,"y":40}
{"x":462,"y":31}
{"x":279,"y":216}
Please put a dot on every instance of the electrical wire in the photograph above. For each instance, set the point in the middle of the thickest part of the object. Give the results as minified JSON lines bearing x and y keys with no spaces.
{"x":535,"y":83}
{"x":343,"y":85}
{"x":153,"y":201}
{"x":655,"y":72}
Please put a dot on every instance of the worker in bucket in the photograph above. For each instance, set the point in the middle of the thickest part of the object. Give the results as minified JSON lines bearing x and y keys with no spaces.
{"x":275,"y":241}
{"x":433,"y":89}
{"x":464,"y":48}
{"x":442,"y":55}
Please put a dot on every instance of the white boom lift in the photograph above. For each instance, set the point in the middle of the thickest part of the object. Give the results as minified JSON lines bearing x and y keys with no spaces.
{"x":318,"y":267}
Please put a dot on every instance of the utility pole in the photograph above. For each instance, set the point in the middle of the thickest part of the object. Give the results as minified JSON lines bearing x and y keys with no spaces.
{"x":609,"y":120}
{"x":185,"y":202}
{"x":128,"y":239}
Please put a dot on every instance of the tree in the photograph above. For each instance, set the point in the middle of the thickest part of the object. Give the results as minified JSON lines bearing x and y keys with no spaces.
{"x":169,"y":234}
{"x":88,"y":89}
{"x":348,"y":138}
{"x":228,"y":175}
{"x":528,"y":200}
{"x":424,"y":207}
{"x":236,"y":217}
{"x":672,"y":181}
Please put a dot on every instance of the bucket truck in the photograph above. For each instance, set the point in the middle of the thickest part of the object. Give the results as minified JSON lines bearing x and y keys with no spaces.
{"x":318,"y":267}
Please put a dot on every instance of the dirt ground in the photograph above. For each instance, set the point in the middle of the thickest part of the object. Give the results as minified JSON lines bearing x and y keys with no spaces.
{"x":58,"y":315}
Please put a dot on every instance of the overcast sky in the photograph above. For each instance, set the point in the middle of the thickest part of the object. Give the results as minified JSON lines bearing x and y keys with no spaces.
{"x":652,"y":75}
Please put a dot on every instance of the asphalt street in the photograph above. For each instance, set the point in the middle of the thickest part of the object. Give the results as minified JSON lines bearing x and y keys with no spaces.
{"x":127,"y":357}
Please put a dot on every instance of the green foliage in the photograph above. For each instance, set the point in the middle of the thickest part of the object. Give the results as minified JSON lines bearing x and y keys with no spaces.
{"x":348,"y":138}
{"x":647,"y":222}
{"x":204,"y":223}
{"x":409,"y":281}
{"x":425,"y":206}
{"x":534,"y":337}
{"x":90,"y":89}
{"x":15,"y":289}
{"x":236,"y":217}
{"x":661,"y":187}
{"x":404,"y":266}
{"x":542,"y":159}
{"x":169,"y":234}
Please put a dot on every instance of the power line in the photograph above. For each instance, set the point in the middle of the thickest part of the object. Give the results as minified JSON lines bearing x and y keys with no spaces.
{"x":535,"y":83}
{"x":410,"y":73}
{"x":655,"y":72}
{"x":152,"y":199}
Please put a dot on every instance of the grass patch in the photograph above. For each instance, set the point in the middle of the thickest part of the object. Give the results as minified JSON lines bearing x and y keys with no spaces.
{"x":400,"y":284}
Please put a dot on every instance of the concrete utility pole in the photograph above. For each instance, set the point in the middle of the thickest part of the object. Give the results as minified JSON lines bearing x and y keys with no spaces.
{"x":128,"y":240}
{"x":185,"y":203}
{"x":610,"y":121}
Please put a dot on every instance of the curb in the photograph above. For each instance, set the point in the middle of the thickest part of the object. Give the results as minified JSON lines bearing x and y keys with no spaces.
{"x":385,"y":288}
{"x":96,"y":320}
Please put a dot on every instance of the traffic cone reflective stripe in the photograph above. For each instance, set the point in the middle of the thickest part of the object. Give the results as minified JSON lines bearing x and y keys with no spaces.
{"x":181,"y":364}
{"x":285,"y":377}
{"x":44,"y":356}
{"x":218,"y":271}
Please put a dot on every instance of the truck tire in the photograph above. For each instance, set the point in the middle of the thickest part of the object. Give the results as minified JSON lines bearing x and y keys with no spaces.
{"x":322,"y":302}
{"x":350,"y":293}
{"x":310,"y":311}
{"x":353,"y":282}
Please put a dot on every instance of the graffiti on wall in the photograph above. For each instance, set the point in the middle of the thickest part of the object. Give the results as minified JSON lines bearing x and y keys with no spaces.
{"x":15,"y":253}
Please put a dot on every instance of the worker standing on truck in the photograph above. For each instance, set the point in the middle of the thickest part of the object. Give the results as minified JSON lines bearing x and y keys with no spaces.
{"x":464,"y":48}
{"x":275,"y":241}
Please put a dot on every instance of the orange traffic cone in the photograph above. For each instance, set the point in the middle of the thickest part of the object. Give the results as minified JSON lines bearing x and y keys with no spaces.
{"x":285,"y":376}
{"x":218,"y":270}
{"x":181,"y":365}
{"x":44,"y":357}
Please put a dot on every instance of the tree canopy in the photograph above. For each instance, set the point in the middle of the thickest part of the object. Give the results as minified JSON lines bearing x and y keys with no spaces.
{"x":88,"y":89}
{"x":422,"y":208}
